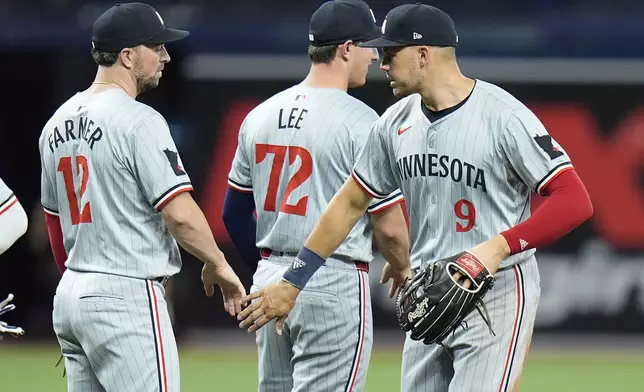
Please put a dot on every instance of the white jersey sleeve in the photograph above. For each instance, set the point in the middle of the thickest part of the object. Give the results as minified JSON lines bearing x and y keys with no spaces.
{"x":373,"y":170}
{"x":360,"y":132}
{"x":7,"y":198}
{"x":13,"y":219}
{"x":240,"y":176}
{"x":535,"y":156}
{"x":155,"y":162}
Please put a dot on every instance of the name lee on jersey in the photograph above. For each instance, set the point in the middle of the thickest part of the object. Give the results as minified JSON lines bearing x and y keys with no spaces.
{"x":293,"y":119}
{"x":427,"y":165}
{"x":83,"y":130}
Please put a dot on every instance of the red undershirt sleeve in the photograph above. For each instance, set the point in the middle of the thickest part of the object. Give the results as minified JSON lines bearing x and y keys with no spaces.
{"x":56,"y":240}
{"x":566,"y":205}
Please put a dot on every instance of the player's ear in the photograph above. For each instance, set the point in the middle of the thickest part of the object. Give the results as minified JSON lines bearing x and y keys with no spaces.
{"x":345,"y":49}
{"x":127,"y":56}
{"x":423,"y":55}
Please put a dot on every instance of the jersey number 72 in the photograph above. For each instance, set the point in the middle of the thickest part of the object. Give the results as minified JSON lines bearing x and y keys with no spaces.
{"x":303,"y":174}
{"x":65,"y":166}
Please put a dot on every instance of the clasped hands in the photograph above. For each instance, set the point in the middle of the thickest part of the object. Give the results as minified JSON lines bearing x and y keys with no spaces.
{"x":276,"y":301}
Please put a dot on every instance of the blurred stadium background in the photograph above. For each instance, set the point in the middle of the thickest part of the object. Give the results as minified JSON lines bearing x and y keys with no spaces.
{"x":579,"y":64}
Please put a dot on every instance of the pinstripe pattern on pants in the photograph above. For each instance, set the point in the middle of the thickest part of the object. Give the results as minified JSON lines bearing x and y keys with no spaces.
{"x":472,"y":359}
{"x":328,"y":336}
{"x":115,"y":334}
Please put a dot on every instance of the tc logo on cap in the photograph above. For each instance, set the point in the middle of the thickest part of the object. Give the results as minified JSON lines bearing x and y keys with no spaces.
{"x":159,"y":16}
{"x":382,"y":29}
{"x":372,"y":15}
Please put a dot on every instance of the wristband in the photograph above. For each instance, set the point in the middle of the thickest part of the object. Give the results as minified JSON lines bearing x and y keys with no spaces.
{"x":304,"y":266}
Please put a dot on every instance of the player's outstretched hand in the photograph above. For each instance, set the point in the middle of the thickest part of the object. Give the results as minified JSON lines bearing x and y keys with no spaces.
{"x":272,"y":302}
{"x":398,"y":277}
{"x":6,"y":306}
{"x":231,"y":287}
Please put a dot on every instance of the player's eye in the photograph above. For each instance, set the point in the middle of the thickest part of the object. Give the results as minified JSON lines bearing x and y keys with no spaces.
{"x":157,"y":48}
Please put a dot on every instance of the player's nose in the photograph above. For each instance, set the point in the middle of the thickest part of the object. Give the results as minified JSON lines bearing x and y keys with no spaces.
{"x":165,"y":56}
{"x":384,"y":67}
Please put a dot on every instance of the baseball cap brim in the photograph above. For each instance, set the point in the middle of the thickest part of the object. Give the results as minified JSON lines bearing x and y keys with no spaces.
{"x":169,"y":35}
{"x":357,"y":39}
{"x":381,"y":43}
{"x":370,"y":37}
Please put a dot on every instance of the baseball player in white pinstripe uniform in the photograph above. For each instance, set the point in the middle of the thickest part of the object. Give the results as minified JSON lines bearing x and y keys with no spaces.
{"x":466,"y":155}
{"x":117,"y":201}
{"x":295,"y":151}
{"x":13,"y":224}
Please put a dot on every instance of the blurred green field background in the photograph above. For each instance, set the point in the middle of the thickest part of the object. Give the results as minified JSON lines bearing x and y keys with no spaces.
{"x":27,"y":368}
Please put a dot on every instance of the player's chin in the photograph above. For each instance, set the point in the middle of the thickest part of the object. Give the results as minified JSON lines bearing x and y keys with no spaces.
{"x":358,"y":82}
{"x":399,"y":91}
{"x":148,"y":85}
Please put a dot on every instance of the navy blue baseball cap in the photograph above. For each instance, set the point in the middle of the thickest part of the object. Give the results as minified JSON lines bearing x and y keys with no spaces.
{"x":415,"y":24}
{"x":131,"y":24}
{"x":338,"y":21}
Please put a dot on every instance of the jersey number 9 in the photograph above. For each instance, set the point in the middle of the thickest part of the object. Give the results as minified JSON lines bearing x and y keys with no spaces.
{"x":303,"y":174}
{"x":464,"y":210}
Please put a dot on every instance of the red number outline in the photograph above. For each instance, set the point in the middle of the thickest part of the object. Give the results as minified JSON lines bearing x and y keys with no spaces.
{"x":302,"y":174}
{"x":65,"y":166}
{"x":279,"y":152}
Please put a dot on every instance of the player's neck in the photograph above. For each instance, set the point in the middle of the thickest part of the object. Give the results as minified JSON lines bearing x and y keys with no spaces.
{"x":326,"y":76}
{"x":443,"y":90}
{"x":110,"y":78}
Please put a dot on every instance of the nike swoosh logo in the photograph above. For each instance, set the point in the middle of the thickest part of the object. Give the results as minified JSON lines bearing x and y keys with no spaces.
{"x":403,"y":130}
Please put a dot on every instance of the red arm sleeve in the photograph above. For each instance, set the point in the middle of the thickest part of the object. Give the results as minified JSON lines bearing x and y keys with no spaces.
{"x":56,"y":240}
{"x":566,"y":206}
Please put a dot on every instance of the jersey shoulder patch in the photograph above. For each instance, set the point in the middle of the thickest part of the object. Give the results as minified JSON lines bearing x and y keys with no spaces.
{"x":173,"y":158}
{"x":547,"y":145}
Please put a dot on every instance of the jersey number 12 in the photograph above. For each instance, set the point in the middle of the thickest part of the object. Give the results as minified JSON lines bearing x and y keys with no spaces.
{"x":303,"y":174}
{"x":65,"y":167}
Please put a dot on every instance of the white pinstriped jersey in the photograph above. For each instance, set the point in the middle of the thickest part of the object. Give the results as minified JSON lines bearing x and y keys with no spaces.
{"x":295,"y":151}
{"x":109,"y":164}
{"x":467,"y":176}
{"x":7,"y":198}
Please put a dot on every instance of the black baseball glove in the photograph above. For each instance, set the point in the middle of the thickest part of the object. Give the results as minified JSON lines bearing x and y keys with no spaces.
{"x":433,"y":303}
